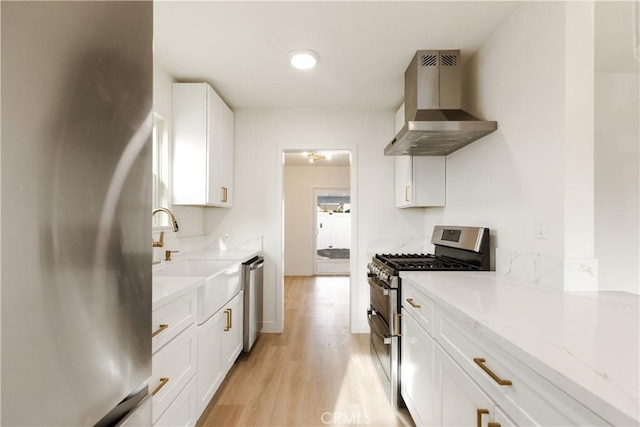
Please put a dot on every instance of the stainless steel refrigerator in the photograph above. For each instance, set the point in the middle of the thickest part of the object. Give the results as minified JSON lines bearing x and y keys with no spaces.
{"x":76,"y":88}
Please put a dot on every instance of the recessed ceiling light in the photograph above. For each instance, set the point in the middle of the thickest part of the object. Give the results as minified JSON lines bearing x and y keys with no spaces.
{"x":303,"y":59}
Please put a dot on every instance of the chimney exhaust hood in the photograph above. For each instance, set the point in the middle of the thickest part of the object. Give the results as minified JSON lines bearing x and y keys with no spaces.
{"x":435,"y":124}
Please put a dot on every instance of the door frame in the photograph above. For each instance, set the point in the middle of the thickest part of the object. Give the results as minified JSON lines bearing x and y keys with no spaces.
{"x":354,"y":291}
{"x":316,"y":192}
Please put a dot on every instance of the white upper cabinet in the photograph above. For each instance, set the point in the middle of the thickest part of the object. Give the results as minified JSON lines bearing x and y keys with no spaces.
{"x":202,"y":147}
{"x":420,"y":180}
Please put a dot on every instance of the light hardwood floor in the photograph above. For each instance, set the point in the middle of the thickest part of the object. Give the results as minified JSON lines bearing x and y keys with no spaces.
{"x":313,"y":374}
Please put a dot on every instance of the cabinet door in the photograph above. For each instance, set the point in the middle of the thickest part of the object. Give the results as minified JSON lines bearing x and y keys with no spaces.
{"x":210,"y":366}
{"x":458,"y":400}
{"x":189,"y":143}
{"x":232,"y":330}
{"x":214,"y":147}
{"x":226,"y":157}
{"x":416,"y":371}
{"x":404,"y":181}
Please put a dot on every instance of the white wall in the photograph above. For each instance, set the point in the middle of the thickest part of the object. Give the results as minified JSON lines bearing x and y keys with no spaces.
{"x":190,"y":218}
{"x":513,"y":177}
{"x":617,"y":180}
{"x":261,"y":135}
{"x":299,"y":182}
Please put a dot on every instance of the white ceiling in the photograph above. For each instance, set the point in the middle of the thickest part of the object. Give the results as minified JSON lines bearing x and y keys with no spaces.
{"x":241,"y":47}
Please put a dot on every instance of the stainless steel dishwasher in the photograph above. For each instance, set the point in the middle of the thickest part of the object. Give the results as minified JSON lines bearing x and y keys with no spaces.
{"x":252,"y":273}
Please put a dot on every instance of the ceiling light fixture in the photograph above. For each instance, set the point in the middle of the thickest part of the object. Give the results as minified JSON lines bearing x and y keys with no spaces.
{"x":314,"y":157}
{"x":303,"y":59}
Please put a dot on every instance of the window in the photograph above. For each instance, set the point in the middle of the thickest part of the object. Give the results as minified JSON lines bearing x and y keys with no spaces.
{"x":160,"y":141}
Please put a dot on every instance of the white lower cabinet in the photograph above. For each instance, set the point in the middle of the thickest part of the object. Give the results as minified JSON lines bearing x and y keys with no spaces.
{"x":210,"y":373}
{"x":453,"y":376}
{"x":458,"y":400}
{"x":174,"y":365}
{"x":219,"y":344}
{"x":417,"y":380}
{"x":232,"y":332}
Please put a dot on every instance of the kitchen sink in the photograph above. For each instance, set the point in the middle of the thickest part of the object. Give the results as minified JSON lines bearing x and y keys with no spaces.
{"x":221,"y":282}
{"x":192,"y":268}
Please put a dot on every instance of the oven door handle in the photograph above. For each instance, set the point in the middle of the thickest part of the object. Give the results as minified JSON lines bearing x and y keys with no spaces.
{"x":373,"y":284}
{"x":375,"y":329}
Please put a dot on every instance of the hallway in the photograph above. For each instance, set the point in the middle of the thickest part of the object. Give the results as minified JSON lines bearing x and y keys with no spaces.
{"x":315,"y":373}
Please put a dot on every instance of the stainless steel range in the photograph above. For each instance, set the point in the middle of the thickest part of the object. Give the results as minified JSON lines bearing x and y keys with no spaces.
{"x":456,"y":249}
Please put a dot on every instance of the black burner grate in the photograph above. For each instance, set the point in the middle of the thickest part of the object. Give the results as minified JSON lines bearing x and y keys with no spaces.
{"x":420,"y":262}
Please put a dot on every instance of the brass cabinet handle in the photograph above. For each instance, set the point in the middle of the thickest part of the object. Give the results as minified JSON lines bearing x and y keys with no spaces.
{"x":479,"y":414}
{"x":413,"y":304}
{"x":224,"y":194}
{"x":161,"y":328}
{"x":481,"y":362}
{"x":163,"y":381}
{"x":398,"y":329}
{"x":227,"y":312}
{"x":406,"y":193}
{"x":493,"y":424}
{"x":230,"y":318}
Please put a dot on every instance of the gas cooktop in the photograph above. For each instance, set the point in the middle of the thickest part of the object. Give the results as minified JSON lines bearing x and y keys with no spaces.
{"x":420,"y":262}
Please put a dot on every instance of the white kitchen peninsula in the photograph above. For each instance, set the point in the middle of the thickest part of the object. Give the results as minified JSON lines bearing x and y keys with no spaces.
{"x":583,"y":344}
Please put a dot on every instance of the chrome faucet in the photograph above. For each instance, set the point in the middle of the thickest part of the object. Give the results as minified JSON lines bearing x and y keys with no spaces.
{"x":172,"y":220}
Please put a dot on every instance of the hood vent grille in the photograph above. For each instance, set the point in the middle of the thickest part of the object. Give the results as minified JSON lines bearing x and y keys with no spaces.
{"x":449,"y":61}
{"x":429,"y":60}
{"x":435,"y":124}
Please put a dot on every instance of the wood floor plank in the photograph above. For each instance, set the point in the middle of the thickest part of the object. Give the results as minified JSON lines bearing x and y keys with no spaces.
{"x":315,"y":373}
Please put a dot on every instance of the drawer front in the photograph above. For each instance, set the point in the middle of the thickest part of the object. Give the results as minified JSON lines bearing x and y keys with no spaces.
{"x":182,"y":412}
{"x":171,"y":319}
{"x":529,"y":399}
{"x":174,"y":365}
{"x":218,"y":291}
{"x":417,"y":371}
{"x":421,"y":307}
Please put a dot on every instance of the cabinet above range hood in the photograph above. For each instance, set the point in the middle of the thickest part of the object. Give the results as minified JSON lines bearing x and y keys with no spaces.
{"x":435,"y":124}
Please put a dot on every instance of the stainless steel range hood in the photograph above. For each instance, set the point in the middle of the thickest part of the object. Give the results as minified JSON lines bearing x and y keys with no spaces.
{"x":435,"y":124}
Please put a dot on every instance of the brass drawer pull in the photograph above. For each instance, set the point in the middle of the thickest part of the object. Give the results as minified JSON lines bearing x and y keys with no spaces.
{"x":163,"y":381}
{"x":413,"y":304}
{"x":227,"y":312}
{"x":493,"y":424}
{"x":479,"y":414}
{"x":481,"y":362}
{"x":161,"y":328}
{"x":398,"y":328}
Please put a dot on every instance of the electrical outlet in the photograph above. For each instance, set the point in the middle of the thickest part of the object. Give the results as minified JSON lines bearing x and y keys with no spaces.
{"x":542,"y":228}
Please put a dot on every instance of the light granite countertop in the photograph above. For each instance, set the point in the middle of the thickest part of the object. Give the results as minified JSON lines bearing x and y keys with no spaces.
{"x":587,"y":344}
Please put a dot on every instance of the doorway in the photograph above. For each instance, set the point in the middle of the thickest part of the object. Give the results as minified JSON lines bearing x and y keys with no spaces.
{"x":293,"y":235}
{"x":332,"y":231}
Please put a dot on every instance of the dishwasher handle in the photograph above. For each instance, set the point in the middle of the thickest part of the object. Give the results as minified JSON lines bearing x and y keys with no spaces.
{"x":257,"y":264}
